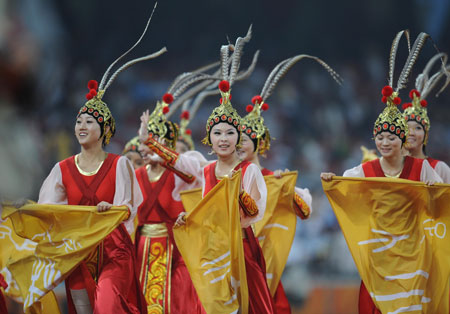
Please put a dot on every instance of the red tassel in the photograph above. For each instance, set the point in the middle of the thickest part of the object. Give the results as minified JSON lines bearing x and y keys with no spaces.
{"x":257,"y":99}
{"x":265,"y":107}
{"x":412,"y":92}
{"x":387,"y":91}
{"x":185,"y":115}
{"x":165,"y":109}
{"x":424,"y":103}
{"x":93,"y":84}
{"x":397,"y":101}
{"x":224,"y":86}
{"x":167,"y":98}
{"x":406,"y":105}
{"x":249,"y":108}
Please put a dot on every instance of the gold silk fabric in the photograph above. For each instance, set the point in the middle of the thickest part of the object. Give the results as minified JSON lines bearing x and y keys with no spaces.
{"x":41,"y":244}
{"x":276,"y":230}
{"x":211,"y":245}
{"x":397,"y":234}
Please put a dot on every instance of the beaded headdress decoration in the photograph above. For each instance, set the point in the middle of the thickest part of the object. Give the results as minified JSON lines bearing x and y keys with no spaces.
{"x":391,"y":119}
{"x":416,"y":110}
{"x":253,"y":123}
{"x":132,"y":146}
{"x":159,"y":124}
{"x":95,"y":106}
{"x":225,"y":111}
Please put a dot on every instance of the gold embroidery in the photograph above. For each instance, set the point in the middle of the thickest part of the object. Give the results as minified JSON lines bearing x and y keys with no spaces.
{"x":303,"y":210}
{"x":248,"y":204}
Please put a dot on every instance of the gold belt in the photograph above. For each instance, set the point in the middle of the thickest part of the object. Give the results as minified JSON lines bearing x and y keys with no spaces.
{"x":154,"y":230}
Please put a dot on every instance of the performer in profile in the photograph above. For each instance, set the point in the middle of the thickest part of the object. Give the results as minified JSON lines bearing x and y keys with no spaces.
{"x":131,"y":151}
{"x":416,"y":114}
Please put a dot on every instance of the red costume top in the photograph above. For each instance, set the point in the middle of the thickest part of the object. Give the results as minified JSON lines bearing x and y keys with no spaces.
{"x":116,"y":288}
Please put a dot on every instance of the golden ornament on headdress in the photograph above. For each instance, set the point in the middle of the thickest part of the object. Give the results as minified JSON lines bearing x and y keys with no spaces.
{"x":159,"y":125}
{"x":391,"y":119}
{"x":132,"y":145}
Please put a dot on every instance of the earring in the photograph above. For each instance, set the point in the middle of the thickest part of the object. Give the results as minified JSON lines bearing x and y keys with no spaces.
{"x":211,"y":152}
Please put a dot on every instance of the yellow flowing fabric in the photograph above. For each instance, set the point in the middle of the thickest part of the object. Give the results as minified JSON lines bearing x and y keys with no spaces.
{"x":211,"y":245}
{"x":397,"y":234}
{"x":276,"y":230}
{"x":41,"y":244}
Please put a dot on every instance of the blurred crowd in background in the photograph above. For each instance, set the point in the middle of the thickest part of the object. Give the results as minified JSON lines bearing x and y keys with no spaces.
{"x":50,"y":49}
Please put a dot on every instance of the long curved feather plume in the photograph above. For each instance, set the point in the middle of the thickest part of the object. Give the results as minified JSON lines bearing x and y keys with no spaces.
{"x":105,"y":76}
{"x":246,"y":73}
{"x":199,"y":70}
{"x":272,"y":75}
{"x":393,"y":53}
{"x":196,"y":77}
{"x":134,"y":61}
{"x":414,"y":53}
{"x":280,"y":72}
{"x":240,"y":43}
{"x":224,"y":52}
{"x":424,"y":83}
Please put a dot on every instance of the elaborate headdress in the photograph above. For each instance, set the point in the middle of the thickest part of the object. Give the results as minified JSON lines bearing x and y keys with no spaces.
{"x":158,"y":123}
{"x":132,"y":146}
{"x":391,"y":119}
{"x":95,"y":106}
{"x":253,"y":123}
{"x":417,"y":109}
{"x":225,"y":111}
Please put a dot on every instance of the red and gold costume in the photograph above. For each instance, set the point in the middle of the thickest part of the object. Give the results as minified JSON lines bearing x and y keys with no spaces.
{"x":3,"y":285}
{"x":392,"y":121}
{"x":108,"y":275}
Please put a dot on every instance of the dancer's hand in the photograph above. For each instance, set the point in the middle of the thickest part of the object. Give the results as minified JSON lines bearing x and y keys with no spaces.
{"x":143,"y":131}
{"x":327,"y":176}
{"x":278,"y":173}
{"x":181,"y":220}
{"x":430,"y":182}
{"x":103,"y":206}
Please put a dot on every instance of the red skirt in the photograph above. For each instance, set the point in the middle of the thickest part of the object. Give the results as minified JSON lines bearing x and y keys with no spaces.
{"x":365,"y":304}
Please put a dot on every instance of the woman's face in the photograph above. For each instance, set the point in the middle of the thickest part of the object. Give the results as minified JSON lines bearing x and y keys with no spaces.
{"x":87,"y":130}
{"x":181,"y":147}
{"x":135,"y":159}
{"x":224,"y":138}
{"x":246,"y":152}
{"x":416,"y":135}
{"x":388,"y":144}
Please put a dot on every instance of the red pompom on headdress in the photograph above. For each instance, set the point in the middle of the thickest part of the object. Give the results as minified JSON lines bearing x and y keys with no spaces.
{"x":185,"y":115}
{"x":412,"y":92}
{"x":89,"y":96}
{"x":92,"y":84}
{"x":406,"y":105}
{"x":423,"y":103}
{"x":387,"y":91}
{"x":257,"y":99}
{"x":165,"y":109}
{"x":397,"y":101}
{"x":249,"y":108}
{"x":93,"y":93}
{"x":188,"y":131}
{"x":384,"y":99}
{"x":167,"y":98}
{"x":264,"y":107}
{"x":224,"y":86}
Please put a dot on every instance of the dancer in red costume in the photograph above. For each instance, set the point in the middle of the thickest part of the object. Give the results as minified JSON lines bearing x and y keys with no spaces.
{"x":256,"y":140}
{"x":390,"y":133}
{"x":131,"y":151}
{"x":416,"y":115}
{"x":224,"y":135}
{"x":106,"y":282}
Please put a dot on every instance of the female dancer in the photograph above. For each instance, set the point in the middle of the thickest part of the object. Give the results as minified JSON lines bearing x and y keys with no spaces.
{"x":416,"y":115}
{"x":131,"y":151}
{"x":224,"y":135}
{"x":106,"y":281}
{"x":256,"y":140}
{"x":390,"y":133}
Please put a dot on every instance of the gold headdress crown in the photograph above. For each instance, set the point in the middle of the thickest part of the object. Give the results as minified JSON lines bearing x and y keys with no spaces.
{"x":416,"y":110}
{"x":253,"y":122}
{"x":158,"y":123}
{"x":391,"y":119}
{"x":225,"y":111}
{"x":132,"y":146}
{"x":95,"y":106}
